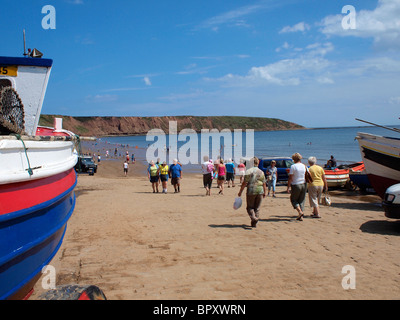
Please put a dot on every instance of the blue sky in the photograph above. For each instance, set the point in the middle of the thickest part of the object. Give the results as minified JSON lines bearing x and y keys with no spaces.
{"x":284,"y":59}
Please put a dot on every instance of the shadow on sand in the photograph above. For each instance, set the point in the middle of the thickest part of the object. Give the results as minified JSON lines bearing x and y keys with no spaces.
{"x":230,"y":226}
{"x":384,"y":227}
{"x":358,"y":206}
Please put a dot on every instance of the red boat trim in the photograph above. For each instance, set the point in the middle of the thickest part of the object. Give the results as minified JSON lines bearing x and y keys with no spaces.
{"x":24,"y":195}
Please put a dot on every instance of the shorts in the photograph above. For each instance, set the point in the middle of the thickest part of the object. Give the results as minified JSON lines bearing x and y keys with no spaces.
{"x":125,"y":170}
{"x":153,"y":179}
{"x":207,"y":180}
{"x":230,"y":176}
{"x":298,"y":195}
{"x":175,"y":181}
{"x":164,"y":177}
{"x":221,"y":177}
{"x":314,"y":194}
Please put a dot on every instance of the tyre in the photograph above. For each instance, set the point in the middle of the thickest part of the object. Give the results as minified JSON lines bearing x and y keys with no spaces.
{"x":73,"y":292}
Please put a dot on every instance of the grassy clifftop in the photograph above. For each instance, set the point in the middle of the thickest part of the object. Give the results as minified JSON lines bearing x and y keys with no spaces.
{"x":104,"y":126}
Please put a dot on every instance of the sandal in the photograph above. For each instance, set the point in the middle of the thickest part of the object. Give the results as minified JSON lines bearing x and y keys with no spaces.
{"x":300,"y":217}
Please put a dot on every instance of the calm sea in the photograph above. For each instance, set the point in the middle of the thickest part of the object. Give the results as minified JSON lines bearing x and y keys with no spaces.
{"x":320,"y":142}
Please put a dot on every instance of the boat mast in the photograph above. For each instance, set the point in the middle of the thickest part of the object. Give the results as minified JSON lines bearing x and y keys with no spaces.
{"x":377,"y":125}
{"x":25,"y":54}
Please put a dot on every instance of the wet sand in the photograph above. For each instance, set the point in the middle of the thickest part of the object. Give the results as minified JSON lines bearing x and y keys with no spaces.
{"x":134,"y":244}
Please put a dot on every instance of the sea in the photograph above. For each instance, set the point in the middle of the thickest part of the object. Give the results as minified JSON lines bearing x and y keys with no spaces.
{"x":318,"y":142}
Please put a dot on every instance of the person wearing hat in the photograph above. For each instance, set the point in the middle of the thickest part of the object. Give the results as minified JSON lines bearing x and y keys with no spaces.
{"x":163,"y":172}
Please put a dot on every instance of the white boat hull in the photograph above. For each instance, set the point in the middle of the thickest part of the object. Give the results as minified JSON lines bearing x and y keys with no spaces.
{"x":381,"y":156}
{"x":46,"y":158}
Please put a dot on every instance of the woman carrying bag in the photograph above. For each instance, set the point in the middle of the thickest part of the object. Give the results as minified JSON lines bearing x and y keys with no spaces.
{"x":316,"y":187}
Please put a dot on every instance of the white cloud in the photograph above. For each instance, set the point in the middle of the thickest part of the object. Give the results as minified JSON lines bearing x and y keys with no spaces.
{"x":147,"y":81}
{"x":229,"y":17}
{"x":284,"y":46}
{"x":300,"y":27}
{"x":75,"y":1}
{"x":310,"y":65}
{"x":394,"y":100}
{"x":382,"y":24}
{"x":98,"y":98}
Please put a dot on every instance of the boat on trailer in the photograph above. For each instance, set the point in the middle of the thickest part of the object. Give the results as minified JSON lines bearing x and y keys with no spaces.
{"x":37,"y":177}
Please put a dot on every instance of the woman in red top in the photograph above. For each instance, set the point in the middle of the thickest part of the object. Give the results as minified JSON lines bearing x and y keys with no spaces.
{"x":221,"y":176}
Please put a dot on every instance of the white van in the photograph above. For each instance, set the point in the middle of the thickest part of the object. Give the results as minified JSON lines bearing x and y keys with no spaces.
{"x":391,"y":202}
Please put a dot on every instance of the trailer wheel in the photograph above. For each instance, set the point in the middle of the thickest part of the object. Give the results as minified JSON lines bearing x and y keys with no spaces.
{"x":73,"y":292}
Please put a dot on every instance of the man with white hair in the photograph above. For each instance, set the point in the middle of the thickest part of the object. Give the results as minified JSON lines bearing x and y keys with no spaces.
{"x":316,"y":187}
{"x":175,"y":173}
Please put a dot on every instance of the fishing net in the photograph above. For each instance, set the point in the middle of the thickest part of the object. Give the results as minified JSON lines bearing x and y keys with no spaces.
{"x":11,"y":112}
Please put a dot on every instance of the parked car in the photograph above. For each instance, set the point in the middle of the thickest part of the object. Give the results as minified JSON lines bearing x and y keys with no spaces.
{"x":86,"y":164}
{"x":282,"y":164}
{"x":391,"y":202}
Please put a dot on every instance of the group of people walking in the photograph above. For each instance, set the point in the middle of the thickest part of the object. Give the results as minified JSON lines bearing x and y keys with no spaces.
{"x":301,"y":179}
{"x":159,"y":173}
{"x":223,"y":172}
{"x":256,"y":183}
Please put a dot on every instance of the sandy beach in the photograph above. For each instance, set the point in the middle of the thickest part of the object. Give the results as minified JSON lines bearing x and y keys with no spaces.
{"x":134,"y":244}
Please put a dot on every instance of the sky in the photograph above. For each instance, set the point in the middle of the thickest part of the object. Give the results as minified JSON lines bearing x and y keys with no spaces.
{"x":310,"y":62}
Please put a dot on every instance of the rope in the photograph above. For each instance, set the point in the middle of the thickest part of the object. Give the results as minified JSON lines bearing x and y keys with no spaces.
{"x":30,"y":171}
{"x":78,"y":145}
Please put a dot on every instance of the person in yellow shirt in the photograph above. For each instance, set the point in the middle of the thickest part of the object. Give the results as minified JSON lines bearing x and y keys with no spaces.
{"x":163,"y":172}
{"x":152,"y":172}
{"x":316,"y":188}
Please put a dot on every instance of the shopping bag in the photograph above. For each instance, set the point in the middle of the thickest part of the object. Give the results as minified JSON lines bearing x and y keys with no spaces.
{"x":238,"y":203}
{"x":326,"y":199}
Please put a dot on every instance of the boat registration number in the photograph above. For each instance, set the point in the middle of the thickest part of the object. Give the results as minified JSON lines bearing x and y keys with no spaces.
{"x":11,"y":71}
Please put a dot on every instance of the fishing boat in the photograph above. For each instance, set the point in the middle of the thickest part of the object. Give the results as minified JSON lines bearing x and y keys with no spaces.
{"x":358,"y":176}
{"x":336,"y":177}
{"x":381,"y":156}
{"x":37,"y":177}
